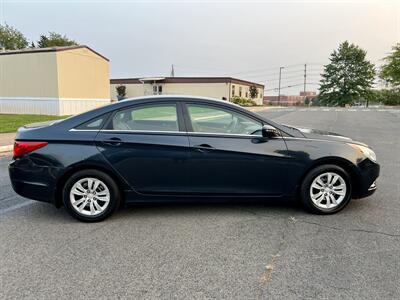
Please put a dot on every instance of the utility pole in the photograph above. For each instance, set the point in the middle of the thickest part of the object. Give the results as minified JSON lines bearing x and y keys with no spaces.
{"x":305,"y":79}
{"x":279,"y":89}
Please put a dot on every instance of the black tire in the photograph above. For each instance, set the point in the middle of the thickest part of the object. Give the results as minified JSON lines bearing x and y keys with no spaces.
{"x":305,"y":195}
{"x":113,"y":189}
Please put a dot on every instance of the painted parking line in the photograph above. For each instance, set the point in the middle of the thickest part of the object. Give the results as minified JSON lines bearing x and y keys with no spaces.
{"x":16,"y":206}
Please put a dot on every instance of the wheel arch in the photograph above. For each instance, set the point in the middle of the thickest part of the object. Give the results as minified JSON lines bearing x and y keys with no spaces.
{"x":87,"y":166}
{"x":345,"y":164}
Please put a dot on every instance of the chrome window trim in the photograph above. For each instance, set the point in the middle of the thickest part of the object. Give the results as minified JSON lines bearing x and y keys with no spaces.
{"x":173,"y":132}
{"x":223,"y":134}
{"x":74,"y":129}
{"x":181,"y":132}
{"x":143,"y":131}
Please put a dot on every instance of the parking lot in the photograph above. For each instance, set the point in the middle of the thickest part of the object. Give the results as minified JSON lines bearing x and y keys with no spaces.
{"x":270,"y":250}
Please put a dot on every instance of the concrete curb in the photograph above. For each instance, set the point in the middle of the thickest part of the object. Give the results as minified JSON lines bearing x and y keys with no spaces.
{"x":7,"y":148}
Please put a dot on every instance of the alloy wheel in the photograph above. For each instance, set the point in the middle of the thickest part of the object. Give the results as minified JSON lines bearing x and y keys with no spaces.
{"x":328,"y":190}
{"x":89,"y":196}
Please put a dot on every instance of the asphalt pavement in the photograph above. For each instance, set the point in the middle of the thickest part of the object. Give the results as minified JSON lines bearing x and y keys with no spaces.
{"x":269,"y":250}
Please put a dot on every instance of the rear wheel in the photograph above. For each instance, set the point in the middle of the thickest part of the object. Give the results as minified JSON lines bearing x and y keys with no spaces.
{"x":90,"y":196}
{"x":326,"y":189}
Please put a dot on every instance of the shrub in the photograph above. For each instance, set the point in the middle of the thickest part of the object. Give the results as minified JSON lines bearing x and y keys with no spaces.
{"x":243,"y":101}
{"x":253,"y":91}
{"x":121,"y":91}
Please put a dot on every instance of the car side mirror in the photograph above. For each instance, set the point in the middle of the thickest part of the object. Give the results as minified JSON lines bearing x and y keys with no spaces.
{"x":269,"y":132}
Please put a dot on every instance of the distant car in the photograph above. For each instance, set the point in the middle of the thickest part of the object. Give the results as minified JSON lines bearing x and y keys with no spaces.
{"x":171,"y":148}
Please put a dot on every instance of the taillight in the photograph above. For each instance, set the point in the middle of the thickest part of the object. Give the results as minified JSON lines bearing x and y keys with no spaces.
{"x":21,"y":147}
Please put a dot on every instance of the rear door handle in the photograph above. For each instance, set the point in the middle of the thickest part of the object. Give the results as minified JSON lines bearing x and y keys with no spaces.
{"x":114,"y":141}
{"x":204,"y":148}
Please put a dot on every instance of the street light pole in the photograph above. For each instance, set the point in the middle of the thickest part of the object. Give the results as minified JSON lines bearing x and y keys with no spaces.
{"x":305,"y":79}
{"x":279,"y":89}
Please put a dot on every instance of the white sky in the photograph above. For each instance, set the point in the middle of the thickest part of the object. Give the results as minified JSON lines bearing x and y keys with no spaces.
{"x":244,"y":39}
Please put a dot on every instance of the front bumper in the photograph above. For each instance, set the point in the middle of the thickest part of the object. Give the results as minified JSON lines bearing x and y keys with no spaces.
{"x":366,"y":184}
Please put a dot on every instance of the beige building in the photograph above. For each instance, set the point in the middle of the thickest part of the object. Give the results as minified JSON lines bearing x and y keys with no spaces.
{"x":53,"y":81}
{"x":216,"y":87}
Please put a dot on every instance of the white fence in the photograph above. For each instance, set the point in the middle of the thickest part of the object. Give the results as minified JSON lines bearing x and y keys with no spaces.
{"x":48,"y":106}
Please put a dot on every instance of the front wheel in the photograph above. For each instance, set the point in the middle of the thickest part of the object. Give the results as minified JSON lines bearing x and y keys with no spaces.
{"x":326,"y":189}
{"x":90,"y":196}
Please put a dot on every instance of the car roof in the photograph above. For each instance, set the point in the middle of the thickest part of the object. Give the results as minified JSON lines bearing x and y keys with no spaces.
{"x":178,"y":97}
{"x":79,"y":119}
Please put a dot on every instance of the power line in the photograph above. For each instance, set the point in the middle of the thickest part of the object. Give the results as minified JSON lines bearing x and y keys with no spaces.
{"x":264,"y":69}
{"x":290,"y":86}
{"x":284,"y":87}
{"x":288,"y":77}
{"x":276,"y":75}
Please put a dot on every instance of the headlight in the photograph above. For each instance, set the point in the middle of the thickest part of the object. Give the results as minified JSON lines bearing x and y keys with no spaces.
{"x":366,"y":151}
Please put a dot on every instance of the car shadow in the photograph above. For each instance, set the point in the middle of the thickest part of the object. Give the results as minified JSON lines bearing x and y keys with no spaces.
{"x":43,"y":212}
{"x":190,"y":208}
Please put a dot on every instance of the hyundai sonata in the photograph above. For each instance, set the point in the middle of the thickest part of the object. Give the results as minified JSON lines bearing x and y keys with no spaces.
{"x":164,"y":148}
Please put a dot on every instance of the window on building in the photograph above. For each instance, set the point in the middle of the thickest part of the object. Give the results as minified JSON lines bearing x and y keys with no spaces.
{"x":157,"y":89}
{"x":247,"y":94}
{"x":210,"y":119}
{"x":161,"y":117}
{"x":233,"y":90}
{"x":240,"y":91}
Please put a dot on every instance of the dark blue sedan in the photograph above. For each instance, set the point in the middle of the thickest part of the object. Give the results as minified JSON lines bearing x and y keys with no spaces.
{"x":169,"y":148}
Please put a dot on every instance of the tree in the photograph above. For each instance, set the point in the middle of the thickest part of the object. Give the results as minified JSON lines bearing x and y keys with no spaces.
{"x":54,"y":39}
{"x":390,"y":71}
{"x":348,"y":77}
{"x":253,"y":91}
{"x":11,"y":38}
{"x":387,"y":96}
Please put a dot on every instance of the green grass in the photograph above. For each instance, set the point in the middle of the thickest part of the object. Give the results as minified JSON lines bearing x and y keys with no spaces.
{"x":10,"y":123}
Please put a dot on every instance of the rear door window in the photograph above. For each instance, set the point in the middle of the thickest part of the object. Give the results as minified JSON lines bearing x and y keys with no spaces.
{"x":161,"y":117}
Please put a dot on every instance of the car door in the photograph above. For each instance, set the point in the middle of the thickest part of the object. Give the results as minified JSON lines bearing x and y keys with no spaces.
{"x":228,"y":154}
{"x":148,"y":146}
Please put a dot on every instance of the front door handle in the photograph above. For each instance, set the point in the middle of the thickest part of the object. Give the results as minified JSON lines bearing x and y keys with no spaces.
{"x":204,"y":148}
{"x":114,"y":141}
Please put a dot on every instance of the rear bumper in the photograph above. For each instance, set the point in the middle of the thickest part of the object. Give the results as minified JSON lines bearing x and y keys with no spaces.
{"x":367,"y":182}
{"x":32,"y":181}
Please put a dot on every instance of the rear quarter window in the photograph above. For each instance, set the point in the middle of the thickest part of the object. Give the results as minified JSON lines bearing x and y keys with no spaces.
{"x":93,"y":124}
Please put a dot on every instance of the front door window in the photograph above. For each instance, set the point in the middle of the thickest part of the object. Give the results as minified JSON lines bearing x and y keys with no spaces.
{"x":210,"y":119}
